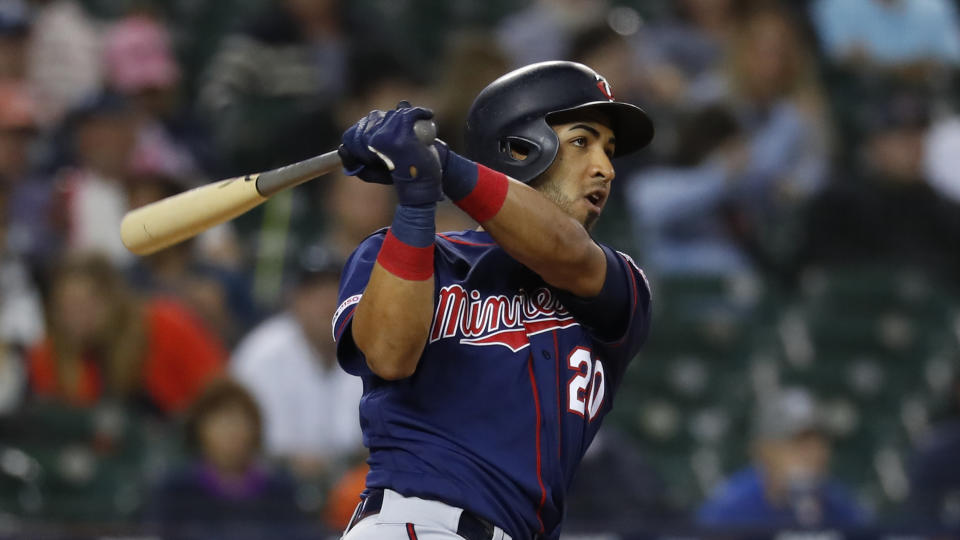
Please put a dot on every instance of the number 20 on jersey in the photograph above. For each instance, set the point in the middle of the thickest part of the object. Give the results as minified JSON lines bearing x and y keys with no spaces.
{"x":585,"y":389}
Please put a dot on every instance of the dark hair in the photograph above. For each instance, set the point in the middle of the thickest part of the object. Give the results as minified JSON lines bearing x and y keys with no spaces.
{"x":218,"y":394}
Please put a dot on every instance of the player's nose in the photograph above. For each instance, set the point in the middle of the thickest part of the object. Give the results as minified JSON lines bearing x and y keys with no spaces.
{"x":600,"y":165}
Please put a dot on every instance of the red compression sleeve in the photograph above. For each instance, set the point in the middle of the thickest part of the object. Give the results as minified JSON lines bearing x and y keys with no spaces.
{"x":486,"y":198}
{"x":405,"y":261}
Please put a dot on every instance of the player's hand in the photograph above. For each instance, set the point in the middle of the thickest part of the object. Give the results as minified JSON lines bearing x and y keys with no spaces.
{"x":356,"y":157}
{"x":414,"y":166}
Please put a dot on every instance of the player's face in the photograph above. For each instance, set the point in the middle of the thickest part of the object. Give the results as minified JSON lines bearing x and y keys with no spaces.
{"x":579,"y":179}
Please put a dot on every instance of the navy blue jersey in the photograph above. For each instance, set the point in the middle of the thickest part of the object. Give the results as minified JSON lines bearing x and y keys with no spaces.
{"x":510,"y":389}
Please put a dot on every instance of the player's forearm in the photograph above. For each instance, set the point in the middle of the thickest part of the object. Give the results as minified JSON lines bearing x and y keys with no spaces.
{"x":530,"y":227}
{"x":392,"y":322}
{"x":393,"y":317}
{"x":536,"y":232}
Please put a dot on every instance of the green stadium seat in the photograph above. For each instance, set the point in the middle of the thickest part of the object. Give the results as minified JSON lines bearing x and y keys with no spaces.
{"x":93,"y":462}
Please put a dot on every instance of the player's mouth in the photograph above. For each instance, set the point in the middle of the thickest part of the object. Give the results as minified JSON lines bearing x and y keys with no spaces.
{"x":596,"y":198}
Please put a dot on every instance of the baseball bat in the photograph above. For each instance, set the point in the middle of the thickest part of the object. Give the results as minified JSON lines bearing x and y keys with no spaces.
{"x":163,"y":223}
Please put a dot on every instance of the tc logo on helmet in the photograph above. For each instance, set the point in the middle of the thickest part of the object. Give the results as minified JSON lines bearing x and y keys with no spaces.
{"x":604,"y":87}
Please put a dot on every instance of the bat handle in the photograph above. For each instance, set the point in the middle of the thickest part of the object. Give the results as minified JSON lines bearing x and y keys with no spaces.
{"x":425,"y":130}
{"x":277,"y":180}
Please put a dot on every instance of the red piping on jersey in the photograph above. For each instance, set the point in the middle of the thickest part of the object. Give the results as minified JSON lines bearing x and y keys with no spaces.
{"x":346,"y":319}
{"x":556,"y":356}
{"x":536,"y":403}
{"x":411,"y":533}
{"x":464,"y":242}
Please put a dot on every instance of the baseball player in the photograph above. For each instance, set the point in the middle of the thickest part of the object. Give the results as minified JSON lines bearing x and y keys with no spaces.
{"x":489,"y":357}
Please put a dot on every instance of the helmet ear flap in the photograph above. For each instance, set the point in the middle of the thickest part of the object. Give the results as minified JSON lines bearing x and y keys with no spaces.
{"x":519,"y":150}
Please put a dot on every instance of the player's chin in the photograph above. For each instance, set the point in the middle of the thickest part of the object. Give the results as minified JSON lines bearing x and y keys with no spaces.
{"x":590,"y":220}
{"x":589,"y":214}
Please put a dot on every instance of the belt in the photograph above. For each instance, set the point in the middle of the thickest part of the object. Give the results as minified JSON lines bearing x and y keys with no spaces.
{"x":471,"y":526}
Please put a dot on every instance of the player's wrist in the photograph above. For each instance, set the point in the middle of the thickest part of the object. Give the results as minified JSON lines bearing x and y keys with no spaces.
{"x":415,"y":225}
{"x":407,"y":250}
{"x":414,"y":192}
{"x":459,"y":173}
{"x":477,"y":190}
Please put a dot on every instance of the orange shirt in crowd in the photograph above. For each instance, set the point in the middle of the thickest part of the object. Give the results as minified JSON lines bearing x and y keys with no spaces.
{"x":344,"y":497}
{"x":182,"y":356}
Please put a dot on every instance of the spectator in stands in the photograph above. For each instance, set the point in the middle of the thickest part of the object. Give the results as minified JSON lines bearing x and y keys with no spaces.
{"x":771,"y":85}
{"x":23,"y":200}
{"x":679,"y":211}
{"x":342,"y":498}
{"x":218,"y":294}
{"x":934,"y":474}
{"x":63,"y":56}
{"x":18,"y":129}
{"x":270,"y":91}
{"x":141,"y":66}
{"x":93,"y":190}
{"x":544,"y":30}
{"x":353,"y":211}
{"x":940,"y":158}
{"x":888,"y":34}
{"x":14,"y":34}
{"x":885,"y":210}
{"x":787,"y":485}
{"x":270,"y":95}
{"x":676,"y":51}
{"x":289,"y":364}
{"x":672,"y":54}
{"x":225,"y":492}
{"x":31,"y":233}
{"x":103,"y":343}
{"x":12,"y":379}
{"x":616,"y":484}
{"x":21,"y":317}
{"x":378,"y":81}
{"x":472,"y":61}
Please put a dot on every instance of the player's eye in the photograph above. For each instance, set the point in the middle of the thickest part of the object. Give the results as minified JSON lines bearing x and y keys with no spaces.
{"x":580,"y":141}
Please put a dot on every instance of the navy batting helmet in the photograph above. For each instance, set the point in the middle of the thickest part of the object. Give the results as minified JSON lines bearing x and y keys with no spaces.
{"x":508,"y":129}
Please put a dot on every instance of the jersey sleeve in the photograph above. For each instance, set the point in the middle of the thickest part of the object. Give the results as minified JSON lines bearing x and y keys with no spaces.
{"x":353,"y":281}
{"x":618,"y":317}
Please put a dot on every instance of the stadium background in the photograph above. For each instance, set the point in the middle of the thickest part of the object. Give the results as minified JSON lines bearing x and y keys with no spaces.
{"x":826,"y":257}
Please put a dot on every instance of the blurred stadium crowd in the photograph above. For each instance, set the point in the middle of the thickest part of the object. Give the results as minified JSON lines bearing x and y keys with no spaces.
{"x":798,"y":215}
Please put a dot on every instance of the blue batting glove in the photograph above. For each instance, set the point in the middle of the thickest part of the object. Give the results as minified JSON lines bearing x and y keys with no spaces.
{"x":356,"y":157}
{"x":414,"y":166}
